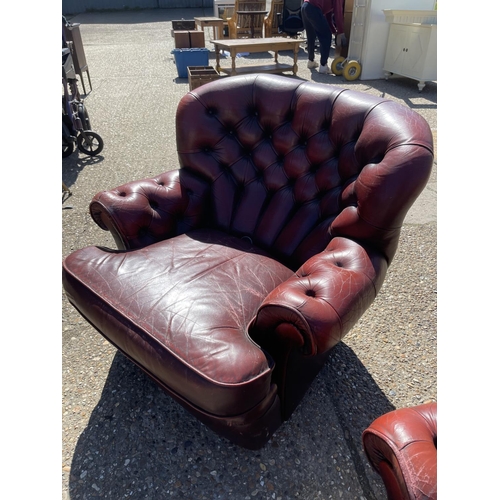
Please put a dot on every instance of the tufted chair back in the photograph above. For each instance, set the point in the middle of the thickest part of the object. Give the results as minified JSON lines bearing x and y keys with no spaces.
{"x":290,"y":164}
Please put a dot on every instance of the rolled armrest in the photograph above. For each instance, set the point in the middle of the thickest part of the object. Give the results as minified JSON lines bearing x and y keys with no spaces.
{"x":402,"y":447}
{"x":143,"y":212}
{"x":314,"y":309}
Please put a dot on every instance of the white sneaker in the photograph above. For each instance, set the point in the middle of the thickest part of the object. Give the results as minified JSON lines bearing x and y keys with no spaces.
{"x":312,"y":64}
{"x":325,"y":69}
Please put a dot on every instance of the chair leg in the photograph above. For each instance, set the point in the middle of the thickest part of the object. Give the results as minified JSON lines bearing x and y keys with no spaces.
{"x":65,"y":188}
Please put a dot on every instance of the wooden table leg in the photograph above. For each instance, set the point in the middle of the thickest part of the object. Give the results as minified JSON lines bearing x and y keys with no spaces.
{"x":295,"y":56}
{"x":233,"y":61}
{"x":217,"y":57}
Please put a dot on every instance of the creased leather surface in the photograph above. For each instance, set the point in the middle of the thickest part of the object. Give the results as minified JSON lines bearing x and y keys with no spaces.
{"x":151,"y":210}
{"x":407,"y":440}
{"x":189,"y":298}
{"x":325,"y":297}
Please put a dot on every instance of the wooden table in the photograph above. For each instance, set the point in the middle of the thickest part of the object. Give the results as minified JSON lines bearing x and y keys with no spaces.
{"x":235,"y":46}
{"x":216,"y":22}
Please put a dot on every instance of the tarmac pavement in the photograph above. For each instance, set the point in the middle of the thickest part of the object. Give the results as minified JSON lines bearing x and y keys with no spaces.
{"x":122,"y":436}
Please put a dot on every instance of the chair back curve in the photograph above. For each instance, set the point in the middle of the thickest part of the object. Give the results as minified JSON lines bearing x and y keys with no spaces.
{"x":291,"y":164}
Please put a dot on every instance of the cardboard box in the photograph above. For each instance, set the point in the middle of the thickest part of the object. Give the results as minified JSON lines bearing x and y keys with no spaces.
{"x":197,"y":38}
{"x":182,"y":40}
{"x":199,"y":75}
{"x":189,"y":39}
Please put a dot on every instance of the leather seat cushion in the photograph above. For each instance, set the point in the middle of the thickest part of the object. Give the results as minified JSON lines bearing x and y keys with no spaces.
{"x":180,"y":309}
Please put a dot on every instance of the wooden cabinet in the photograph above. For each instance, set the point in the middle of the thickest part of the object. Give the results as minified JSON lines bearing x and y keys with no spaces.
{"x":412,"y":52}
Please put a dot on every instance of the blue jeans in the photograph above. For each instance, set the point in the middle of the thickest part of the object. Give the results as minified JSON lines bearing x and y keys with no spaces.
{"x":316,"y":25}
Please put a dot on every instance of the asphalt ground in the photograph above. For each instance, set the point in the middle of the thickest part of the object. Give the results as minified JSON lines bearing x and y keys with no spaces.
{"x":121,"y":435}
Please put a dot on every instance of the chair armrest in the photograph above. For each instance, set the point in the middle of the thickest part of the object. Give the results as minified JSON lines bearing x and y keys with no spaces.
{"x":302,"y":319}
{"x":402,"y":447}
{"x":314,"y":309}
{"x":143,"y":212}
{"x":231,"y":25}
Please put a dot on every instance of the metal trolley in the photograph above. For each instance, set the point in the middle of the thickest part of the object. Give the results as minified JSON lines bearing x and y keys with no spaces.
{"x":350,"y":67}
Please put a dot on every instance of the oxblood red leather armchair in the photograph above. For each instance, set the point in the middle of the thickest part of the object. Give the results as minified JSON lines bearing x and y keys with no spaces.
{"x":402,"y":447}
{"x":237,"y":273}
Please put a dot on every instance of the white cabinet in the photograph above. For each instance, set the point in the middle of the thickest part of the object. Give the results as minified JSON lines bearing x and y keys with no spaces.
{"x":372,"y":31}
{"x":412,"y":52}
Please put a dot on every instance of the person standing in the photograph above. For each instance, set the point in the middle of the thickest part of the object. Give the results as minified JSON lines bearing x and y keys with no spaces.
{"x":321,"y":19}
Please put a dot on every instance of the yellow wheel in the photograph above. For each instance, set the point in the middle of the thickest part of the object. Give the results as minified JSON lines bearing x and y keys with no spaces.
{"x":337,"y":65}
{"x":352,"y":70}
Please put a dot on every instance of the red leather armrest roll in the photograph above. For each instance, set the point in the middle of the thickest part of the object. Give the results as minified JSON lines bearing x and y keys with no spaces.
{"x":402,"y":447}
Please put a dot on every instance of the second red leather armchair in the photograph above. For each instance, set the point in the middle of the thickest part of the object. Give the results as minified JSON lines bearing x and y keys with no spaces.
{"x":402,"y":447}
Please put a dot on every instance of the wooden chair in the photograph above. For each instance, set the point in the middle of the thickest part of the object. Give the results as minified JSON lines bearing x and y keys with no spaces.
{"x":274,"y":19}
{"x":247,"y":25}
{"x":227,"y":14}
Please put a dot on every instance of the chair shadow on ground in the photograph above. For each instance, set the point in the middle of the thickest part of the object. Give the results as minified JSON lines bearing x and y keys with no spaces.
{"x":137,"y":435}
{"x":74,"y":164}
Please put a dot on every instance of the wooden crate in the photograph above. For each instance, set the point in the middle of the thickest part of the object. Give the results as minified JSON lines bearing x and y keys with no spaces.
{"x":199,"y":75}
{"x":182,"y":25}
